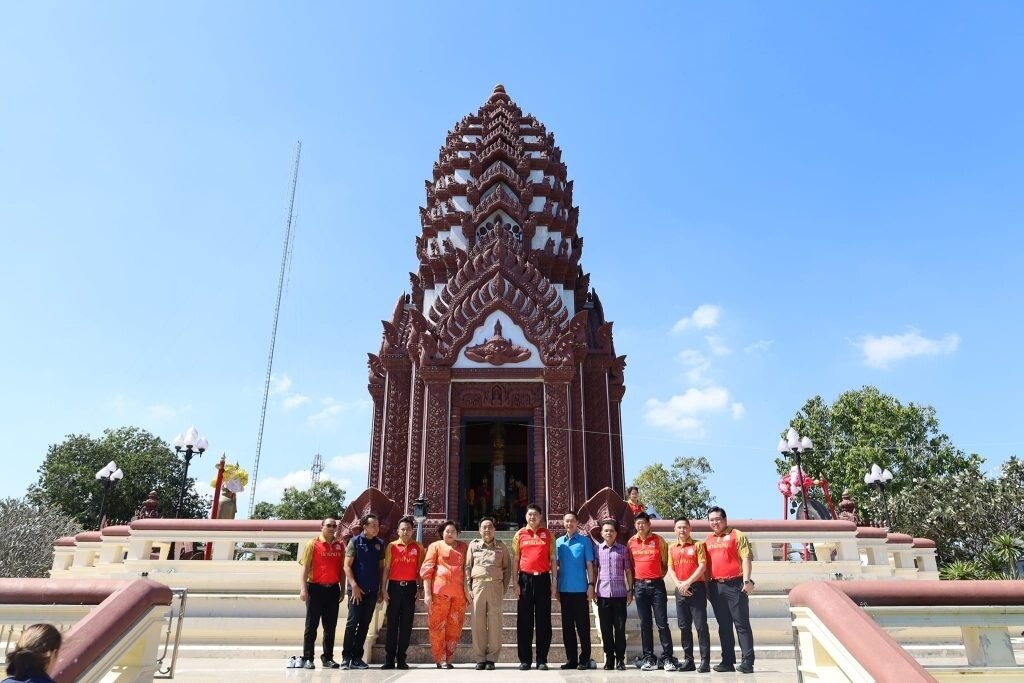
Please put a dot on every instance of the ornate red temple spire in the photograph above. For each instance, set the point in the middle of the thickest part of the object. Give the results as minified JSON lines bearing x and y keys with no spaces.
{"x":499,"y":306}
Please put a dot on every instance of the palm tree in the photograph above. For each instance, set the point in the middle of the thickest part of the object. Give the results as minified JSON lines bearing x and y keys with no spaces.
{"x":1009,"y":549}
{"x":961,"y":570}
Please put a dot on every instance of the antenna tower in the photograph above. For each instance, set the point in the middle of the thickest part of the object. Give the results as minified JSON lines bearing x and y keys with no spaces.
{"x":273,"y":334}
{"x":316,"y":469}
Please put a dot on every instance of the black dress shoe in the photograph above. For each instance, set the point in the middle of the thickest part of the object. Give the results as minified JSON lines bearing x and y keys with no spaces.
{"x":524,"y":666}
{"x":724,"y":667}
{"x":745,"y":668}
{"x":388,"y":666}
{"x":704,"y":667}
{"x":688,"y":665}
{"x":481,"y":666}
{"x":329,"y":663}
{"x":440,"y":665}
{"x":542,"y":666}
{"x":567,"y":665}
{"x":402,"y":665}
{"x":583,"y":666}
{"x":609,"y":664}
{"x":308,"y":664}
{"x":449,"y":665}
{"x":490,"y":666}
{"x":621,"y":666}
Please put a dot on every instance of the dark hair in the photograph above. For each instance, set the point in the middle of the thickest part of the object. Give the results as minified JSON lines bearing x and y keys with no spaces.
{"x":485,"y":518}
{"x":570,"y":512}
{"x":631,"y":489}
{"x":32,"y":653}
{"x":406,"y":520}
{"x":715,"y":508}
{"x":642,"y":515}
{"x":327,"y":518}
{"x":613,"y":522}
{"x":534,"y":506}
{"x":444,"y":525}
{"x":367,"y":517}
{"x":681,"y":519}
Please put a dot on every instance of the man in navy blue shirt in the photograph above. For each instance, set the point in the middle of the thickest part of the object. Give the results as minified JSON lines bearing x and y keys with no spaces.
{"x":576,"y":578}
{"x":364,"y":569}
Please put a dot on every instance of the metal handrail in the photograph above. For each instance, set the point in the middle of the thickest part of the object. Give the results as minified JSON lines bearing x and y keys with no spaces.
{"x":180,"y":594}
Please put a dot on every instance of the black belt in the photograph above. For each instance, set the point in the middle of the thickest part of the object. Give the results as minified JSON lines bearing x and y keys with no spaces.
{"x":727,"y":580}
{"x":649,"y":581}
{"x":323,"y":585}
{"x":535,"y":573}
{"x":402,"y":583}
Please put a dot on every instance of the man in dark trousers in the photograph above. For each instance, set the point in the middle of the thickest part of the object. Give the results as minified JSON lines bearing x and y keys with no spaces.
{"x":535,"y":582}
{"x":687,"y":562}
{"x":614,"y":594}
{"x":320,"y":589}
{"x":364,"y":567}
{"x":402,"y":561}
{"x":729,"y":588}
{"x":575,"y":553}
{"x":649,"y":552}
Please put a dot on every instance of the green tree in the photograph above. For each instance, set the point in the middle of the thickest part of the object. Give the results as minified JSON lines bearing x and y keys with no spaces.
{"x":67,"y":477}
{"x":26,"y":544}
{"x":1008,"y":549}
{"x":323,"y":499}
{"x":864,"y":427}
{"x":961,"y":512}
{"x":678,"y":491}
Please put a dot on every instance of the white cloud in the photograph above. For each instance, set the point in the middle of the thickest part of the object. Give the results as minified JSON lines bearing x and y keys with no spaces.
{"x":294,"y":401}
{"x":759,"y":345}
{"x":352,"y":461}
{"x":333,"y":408}
{"x":738,"y":410}
{"x":880,"y":352}
{"x":697,"y":366}
{"x":717,"y":346}
{"x":280,"y":384}
{"x":680,"y":413}
{"x":704,"y":317}
{"x":271,"y":488}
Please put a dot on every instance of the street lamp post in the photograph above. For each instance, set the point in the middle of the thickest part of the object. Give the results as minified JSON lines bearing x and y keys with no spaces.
{"x":419,"y":513}
{"x":793,"y":444}
{"x":876,"y":476}
{"x":108,"y":476}
{"x":187,"y":446}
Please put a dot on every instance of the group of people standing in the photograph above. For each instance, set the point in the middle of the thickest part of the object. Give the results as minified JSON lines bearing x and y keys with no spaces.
{"x":451,"y":574}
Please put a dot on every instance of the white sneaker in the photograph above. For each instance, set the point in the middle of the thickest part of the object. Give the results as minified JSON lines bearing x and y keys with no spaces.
{"x":649,"y":665}
{"x":671,"y":664}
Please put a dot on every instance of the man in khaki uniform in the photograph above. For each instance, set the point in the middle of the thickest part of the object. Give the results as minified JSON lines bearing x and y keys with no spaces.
{"x":488,"y":573}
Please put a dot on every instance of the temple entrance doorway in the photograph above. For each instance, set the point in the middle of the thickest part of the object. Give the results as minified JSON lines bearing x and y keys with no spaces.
{"x":495,"y":479}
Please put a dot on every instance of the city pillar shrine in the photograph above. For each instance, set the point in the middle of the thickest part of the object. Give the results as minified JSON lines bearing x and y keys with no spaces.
{"x":497,"y":382}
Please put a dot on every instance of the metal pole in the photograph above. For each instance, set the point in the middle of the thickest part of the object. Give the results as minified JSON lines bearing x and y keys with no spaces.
{"x":103,"y":500}
{"x":184,"y":478}
{"x":803,"y":485}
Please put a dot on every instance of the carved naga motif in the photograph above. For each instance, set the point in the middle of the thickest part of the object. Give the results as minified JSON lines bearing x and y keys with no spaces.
{"x":497,"y":350}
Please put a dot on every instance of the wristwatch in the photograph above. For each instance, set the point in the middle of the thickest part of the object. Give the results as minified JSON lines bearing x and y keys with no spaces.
{"x":749,"y":582}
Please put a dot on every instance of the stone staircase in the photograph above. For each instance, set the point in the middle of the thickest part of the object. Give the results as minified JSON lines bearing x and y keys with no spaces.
{"x":419,"y":642}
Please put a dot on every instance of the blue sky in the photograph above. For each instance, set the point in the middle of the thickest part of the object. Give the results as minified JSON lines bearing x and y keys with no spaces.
{"x":777,"y":199}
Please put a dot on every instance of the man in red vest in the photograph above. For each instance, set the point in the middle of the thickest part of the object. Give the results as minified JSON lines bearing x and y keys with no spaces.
{"x":729,"y":590}
{"x":322,"y":560}
{"x":688,"y":561}
{"x":402,"y":561}
{"x":649,"y":552}
{"x":535,"y":582}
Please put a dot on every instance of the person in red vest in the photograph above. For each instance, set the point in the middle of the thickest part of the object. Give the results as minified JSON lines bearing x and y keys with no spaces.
{"x":402,"y":561}
{"x":688,"y":561}
{"x":535,"y":582}
{"x":633,"y":501}
{"x":729,"y":589}
{"x":322,"y":560}
{"x":650,"y":562}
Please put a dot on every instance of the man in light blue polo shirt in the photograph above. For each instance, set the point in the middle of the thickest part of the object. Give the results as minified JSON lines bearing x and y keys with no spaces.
{"x":576,"y":578}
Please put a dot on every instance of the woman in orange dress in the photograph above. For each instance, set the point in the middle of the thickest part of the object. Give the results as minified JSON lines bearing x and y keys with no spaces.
{"x":443,"y":573}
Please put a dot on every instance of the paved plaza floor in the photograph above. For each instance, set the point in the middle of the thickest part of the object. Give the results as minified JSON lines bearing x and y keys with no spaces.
{"x":254,"y":670}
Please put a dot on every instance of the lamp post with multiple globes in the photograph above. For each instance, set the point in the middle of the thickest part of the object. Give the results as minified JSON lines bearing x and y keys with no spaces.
{"x":108,"y":476}
{"x":187,"y":446}
{"x":792,"y":444}
{"x":880,"y":478}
